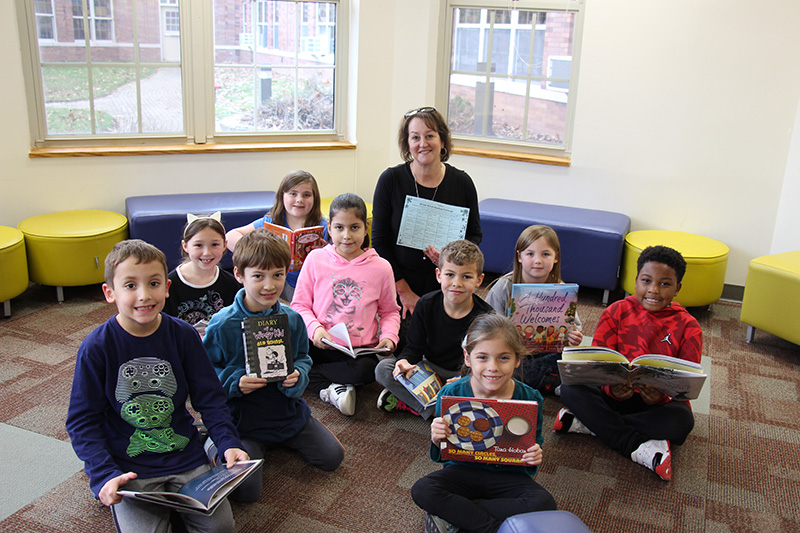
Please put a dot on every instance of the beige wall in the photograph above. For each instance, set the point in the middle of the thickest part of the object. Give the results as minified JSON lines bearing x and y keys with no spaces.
{"x":684,"y":121}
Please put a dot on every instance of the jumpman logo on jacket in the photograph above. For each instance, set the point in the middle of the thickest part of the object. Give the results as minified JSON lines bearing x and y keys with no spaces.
{"x":666,"y":339}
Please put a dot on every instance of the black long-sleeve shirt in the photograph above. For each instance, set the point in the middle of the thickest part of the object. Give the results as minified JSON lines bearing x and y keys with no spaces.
{"x":393,"y":186}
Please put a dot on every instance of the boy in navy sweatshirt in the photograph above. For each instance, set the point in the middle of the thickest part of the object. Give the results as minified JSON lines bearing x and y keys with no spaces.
{"x":127,"y":417}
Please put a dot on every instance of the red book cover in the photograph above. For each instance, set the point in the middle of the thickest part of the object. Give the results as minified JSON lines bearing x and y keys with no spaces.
{"x":488,"y":431}
{"x":301,"y":241}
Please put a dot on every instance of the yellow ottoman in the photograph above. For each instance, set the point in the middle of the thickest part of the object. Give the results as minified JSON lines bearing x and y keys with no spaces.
{"x":67,"y":249}
{"x":13,"y":266}
{"x":771,"y":293}
{"x":325,"y":206}
{"x":706,"y":261}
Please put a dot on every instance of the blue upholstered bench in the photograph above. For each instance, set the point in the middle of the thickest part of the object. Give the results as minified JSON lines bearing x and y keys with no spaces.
{"x":544,"y":522}
{"x":159,"y":219}
{"x":591,"y":240}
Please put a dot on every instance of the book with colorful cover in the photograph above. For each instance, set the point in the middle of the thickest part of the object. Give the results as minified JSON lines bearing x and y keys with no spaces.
{"x":301,"y":241}
{"x":598,"y":366}
{"x":488,"y":431}
{"x":267,"y":347}
{"x":204,"y":493}
{"x":544,"y":314}
{"x":424,"y":384}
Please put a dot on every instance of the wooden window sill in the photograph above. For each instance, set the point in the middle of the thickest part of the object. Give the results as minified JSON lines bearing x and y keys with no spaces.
{"x":513,"y":156}
{"x":166,"y":149}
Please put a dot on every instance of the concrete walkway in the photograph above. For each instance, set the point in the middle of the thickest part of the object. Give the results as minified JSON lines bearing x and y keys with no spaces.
{"x":162,"y":104}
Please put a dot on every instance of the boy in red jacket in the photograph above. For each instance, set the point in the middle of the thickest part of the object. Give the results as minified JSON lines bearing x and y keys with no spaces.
{"x":642,"y":422}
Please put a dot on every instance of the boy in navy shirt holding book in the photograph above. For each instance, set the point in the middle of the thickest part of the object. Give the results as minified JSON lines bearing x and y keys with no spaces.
{"x":127,"y":417}
{"x":267,"y":414}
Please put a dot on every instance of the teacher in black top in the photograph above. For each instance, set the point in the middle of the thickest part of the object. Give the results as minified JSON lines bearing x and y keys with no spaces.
{"x":425,"y":145}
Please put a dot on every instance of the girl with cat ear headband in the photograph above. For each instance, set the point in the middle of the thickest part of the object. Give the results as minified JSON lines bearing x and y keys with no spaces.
{"x":198,"y":287}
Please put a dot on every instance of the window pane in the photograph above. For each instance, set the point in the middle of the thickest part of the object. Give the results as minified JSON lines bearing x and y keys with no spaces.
{"x":235,"y":97}
{"x":102,"y":30}
{"x":115,"y":99}
{"x":500,"y":50}
{"x":102,"y":8}
{"x":465,"y":49}
{"x":162,"y":100}
{"x":172,"y":21}
{"x":43,"y":7}
{"x":510,"y":73}
{"x":66,"y":98}
{"x":44,"y":27}
{"x":547,"y":118}
{"x":116,"y":92}
{"x":282,"y":83}
{"x":77,"y":29}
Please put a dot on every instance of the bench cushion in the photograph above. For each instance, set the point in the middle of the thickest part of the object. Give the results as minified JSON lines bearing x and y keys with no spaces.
{"x":591,"y":240}
{"x":160,"y":219}
{"x":771,"y":293}
{"x":544,"y":522}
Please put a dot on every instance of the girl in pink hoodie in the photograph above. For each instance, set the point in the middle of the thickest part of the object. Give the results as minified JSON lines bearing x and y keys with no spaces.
{"x":348,"y":283}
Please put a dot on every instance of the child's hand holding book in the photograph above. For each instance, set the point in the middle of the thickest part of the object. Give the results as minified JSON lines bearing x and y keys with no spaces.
{"x":248,"y":384}
{"x":108,"y":494}
{"x":533,"y":456}
{"x":402,"y":366}
{"x":232,"y":455}
{"x":319,"y":334}
{"x":386,"y":343}
{"x":291,"y":379}
{"x":440,"y":430}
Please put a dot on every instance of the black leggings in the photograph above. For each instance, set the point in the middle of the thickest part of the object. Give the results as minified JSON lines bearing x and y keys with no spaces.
{"x":475,"y":499}
{"x":625,"y":425}
{"x":333,"y":366}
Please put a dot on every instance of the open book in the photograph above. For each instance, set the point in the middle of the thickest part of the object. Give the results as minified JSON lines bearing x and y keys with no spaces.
{"x":598,"y":366}
{"x":340,"y":332}
{"x":204,"y":493}
{"x":488,"y":431}
{"x":424,"y":384}
{"x":301,"y":241}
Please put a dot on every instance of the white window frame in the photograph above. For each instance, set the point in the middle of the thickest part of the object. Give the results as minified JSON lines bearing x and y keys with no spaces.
{"x":500,"y":147}
{"x":198,"y":89}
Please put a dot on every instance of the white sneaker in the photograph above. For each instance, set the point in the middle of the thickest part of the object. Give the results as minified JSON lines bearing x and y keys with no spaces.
{"x":655,"y":455}
{"x":342,"y":397}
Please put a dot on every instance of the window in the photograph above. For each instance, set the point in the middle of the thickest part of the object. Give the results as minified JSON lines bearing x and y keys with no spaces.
{"x":286,"y":82}
{"x":45,"y":24}
{"x":113,"y":70}
{"x":512,"y":72}
{"x":94,"y":15}
{"x":172,"y":22}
